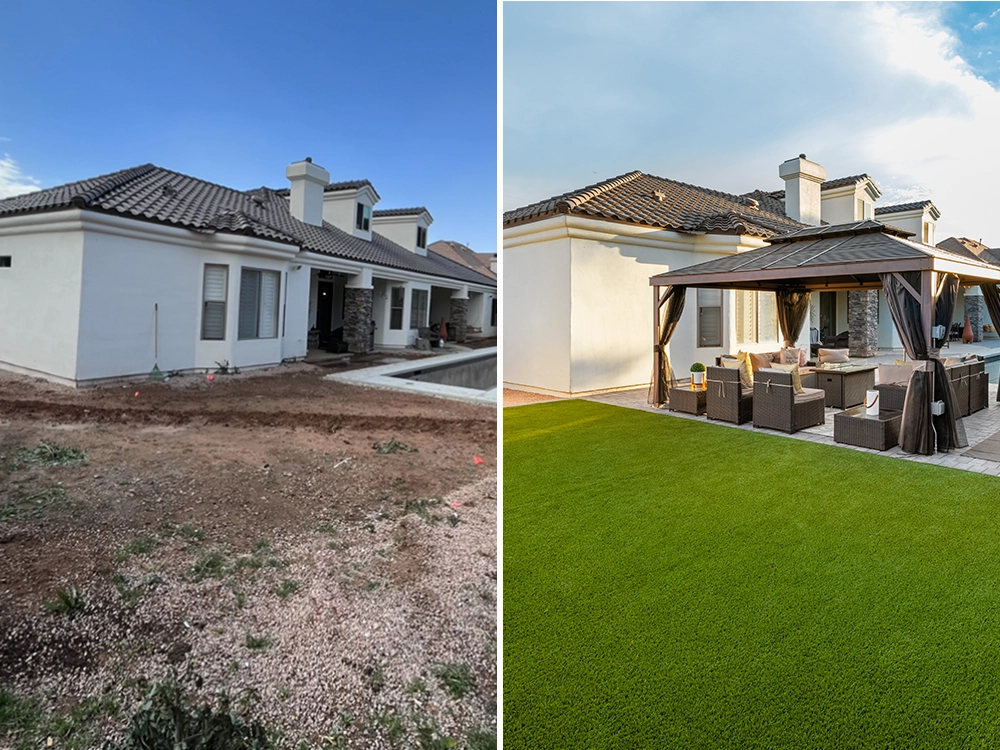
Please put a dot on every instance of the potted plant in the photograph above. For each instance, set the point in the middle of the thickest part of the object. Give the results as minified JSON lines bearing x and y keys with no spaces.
{"x":697,"y":374}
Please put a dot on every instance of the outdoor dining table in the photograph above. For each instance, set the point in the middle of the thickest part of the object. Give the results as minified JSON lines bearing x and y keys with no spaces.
{"x":846,"y":387}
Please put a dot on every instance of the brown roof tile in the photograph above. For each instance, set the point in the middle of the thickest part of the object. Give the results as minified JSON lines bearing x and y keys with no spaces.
{"x":639,"y":198}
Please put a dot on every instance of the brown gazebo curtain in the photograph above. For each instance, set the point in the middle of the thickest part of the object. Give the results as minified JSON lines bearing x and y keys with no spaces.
{"x":792,"y":309}
{"x":917,"y":429}
{"x":991,"y":295}
{"x":670,"y":313}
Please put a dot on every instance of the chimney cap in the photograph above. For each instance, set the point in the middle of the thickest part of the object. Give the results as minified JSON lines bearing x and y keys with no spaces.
{"x":801,"y":156}
{"x":309,"y":159}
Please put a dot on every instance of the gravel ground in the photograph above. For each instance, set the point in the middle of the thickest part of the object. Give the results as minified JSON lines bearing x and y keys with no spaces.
{"x":355,"y":591}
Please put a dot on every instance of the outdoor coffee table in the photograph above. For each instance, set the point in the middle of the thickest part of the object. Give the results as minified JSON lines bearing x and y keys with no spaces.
{"x":683,"y":398}
{"x":855,"y":427}
{"x":846,"y":388}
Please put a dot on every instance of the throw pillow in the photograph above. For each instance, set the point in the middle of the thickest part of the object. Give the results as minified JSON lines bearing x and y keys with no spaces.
{"x":793,"y":357}
{"x":758,"y":361}
{"x":741,"y":365}
{"x":834,"y":355}
{"x":796,"y":378}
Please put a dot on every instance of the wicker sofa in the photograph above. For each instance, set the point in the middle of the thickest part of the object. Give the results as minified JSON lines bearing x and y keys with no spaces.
{"x":969,"y":383}
{"x":776,"y":405}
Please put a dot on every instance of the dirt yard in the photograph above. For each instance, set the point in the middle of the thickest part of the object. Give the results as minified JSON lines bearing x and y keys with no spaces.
{"x":332,"y":548}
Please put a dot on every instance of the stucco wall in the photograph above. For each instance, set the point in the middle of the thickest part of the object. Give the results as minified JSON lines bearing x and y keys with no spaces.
{"x":124,"y":280}
{"x":40,"y":301}
{"x":536,"y":343}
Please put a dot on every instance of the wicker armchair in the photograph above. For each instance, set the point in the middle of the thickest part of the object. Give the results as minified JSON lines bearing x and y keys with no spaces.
{"x":979,"y":384}
{"x":725,"y":397}
{"x":777,"y":406}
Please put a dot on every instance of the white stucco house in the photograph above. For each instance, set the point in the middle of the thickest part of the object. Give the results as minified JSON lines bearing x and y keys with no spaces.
{"x":106,"y":277}
{"x":578,"y":317}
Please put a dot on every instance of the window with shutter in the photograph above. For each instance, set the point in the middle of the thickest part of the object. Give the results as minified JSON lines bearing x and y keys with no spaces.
{"x":418,"y":308}
{"x":709,"y":317}
{"x":258,"y":304}
{"x":214,"y":294}
{"x":396,"y":310}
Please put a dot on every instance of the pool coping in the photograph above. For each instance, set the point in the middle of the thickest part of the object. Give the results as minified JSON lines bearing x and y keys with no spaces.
{"x":386,"y":377}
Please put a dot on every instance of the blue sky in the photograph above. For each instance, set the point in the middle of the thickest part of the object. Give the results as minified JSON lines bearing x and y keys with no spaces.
{"x":718,"y":94}
{"x":400,"y":93}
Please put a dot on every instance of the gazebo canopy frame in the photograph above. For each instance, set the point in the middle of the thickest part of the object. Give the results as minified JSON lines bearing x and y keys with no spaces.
{"x":862,"y":255}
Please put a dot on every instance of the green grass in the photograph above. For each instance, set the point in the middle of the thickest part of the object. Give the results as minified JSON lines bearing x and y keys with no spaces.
{"x":671,"y":583}
{"x":48,"y":454}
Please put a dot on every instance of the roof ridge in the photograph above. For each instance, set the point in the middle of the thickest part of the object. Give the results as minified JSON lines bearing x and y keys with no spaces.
{"x":113,"y":180}
{"x":567,"y":204}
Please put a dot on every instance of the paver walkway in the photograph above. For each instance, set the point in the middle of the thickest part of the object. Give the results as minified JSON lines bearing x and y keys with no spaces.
{"x":978,"y":427}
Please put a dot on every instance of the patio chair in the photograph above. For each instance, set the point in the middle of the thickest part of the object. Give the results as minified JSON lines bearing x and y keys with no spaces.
{"x":725,"y":397}
{"x":776,"y":405}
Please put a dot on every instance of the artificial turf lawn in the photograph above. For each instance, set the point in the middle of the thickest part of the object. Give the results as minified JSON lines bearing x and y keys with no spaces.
{"x":670,"y":583}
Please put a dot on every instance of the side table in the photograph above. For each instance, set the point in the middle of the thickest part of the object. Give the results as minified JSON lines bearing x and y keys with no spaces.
{"x":683,"y":398}
{"x":879,"y":432}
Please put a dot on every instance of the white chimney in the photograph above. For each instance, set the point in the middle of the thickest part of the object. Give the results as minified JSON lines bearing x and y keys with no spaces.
{"x":802,"y":189}
{"x":308,"y":181}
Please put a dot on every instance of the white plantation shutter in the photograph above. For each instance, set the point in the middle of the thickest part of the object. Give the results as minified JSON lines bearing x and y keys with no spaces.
{"x":767,"y":316}
{"x":249,"y":302}
{"x":745,"y":318}
{"x":268,"y":305}
{"x":213,"y":317}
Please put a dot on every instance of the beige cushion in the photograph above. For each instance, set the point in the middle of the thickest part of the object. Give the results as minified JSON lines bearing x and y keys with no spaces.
{"x":796,"y":379}
{"x":894,"y":373}
{"x":834,"y":355}
{"x":810,"y":394}
{"x":741,"y":365}
{"x":948,"y":361}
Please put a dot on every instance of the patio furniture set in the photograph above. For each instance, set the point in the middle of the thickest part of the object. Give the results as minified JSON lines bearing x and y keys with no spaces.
{"x":772,"y":401}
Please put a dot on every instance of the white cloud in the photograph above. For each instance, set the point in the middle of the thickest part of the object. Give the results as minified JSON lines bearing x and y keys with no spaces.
{"x":12,"y":181}
{"x":980,"y":26}
{"x":994,"y":12}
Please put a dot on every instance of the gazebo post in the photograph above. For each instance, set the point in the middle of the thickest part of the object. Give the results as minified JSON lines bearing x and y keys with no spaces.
{"x":657,"y":396}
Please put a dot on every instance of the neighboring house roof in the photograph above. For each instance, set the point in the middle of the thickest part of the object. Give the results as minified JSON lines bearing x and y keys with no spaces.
{"x":828,"y":184}
{"x":843,"y":253}
{"x":900,"y":207}
{"x":151,"y":193}
{"x":459,"y":253}
{"x":970,"y":249}
{"x":401,"y":211}
{"x":639,"y":198}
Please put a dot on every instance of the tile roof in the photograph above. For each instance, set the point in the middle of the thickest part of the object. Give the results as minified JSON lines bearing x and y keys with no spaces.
{"x":639,"y":198}
{"x":151,"y":193}
{"x":460,"y":253}
{"x":819,"y":247}
{"x":971,"y":249}
{"x":902,"y":207}
{"x":401,"y":211}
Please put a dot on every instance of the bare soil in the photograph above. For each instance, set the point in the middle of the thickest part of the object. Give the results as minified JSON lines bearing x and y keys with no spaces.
{"x":352,"y":529}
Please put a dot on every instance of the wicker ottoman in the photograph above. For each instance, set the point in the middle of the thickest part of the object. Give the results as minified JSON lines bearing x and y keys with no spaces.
{"x":686,"y":400}
{"x":855,"y":427}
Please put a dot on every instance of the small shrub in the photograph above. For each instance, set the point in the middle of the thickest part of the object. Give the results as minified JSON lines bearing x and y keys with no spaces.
{"x":429,"y":737}
{"x":169,"y":718}
{"x":67,"y":602}
{"x":258,"y":642}
{"x":225,"y":369}
{"x":208,"y":565}
{"x":48,"y":454}
{"x":141,"y":545}
{"x":457,"y":679}
{"x":286,"y":588}
{"x":392,"y":446}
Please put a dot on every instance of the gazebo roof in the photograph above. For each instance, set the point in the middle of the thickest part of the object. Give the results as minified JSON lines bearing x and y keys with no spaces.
{"x":840,"y":256}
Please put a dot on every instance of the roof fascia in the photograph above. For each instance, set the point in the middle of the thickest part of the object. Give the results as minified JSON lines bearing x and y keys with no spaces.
{"x":353,"y":268}
{"x":568,"y":226}
{"x":80,"y":220}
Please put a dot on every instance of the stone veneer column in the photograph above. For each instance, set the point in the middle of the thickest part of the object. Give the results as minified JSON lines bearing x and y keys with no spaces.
{"x":862,"y":321}
{"x":358,"y":319}
{"x":459,"y":321}
{"x":974,"y":307}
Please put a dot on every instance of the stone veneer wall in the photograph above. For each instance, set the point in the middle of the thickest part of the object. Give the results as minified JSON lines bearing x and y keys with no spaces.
{"x":459,"y":323}
{"x":974,"y":309}
{"x":862,"y":321}
{"x":358,"y":319}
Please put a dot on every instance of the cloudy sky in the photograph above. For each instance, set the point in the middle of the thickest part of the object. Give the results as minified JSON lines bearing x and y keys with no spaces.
{"x":718,"y":94}
{"x":232,"y":91}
